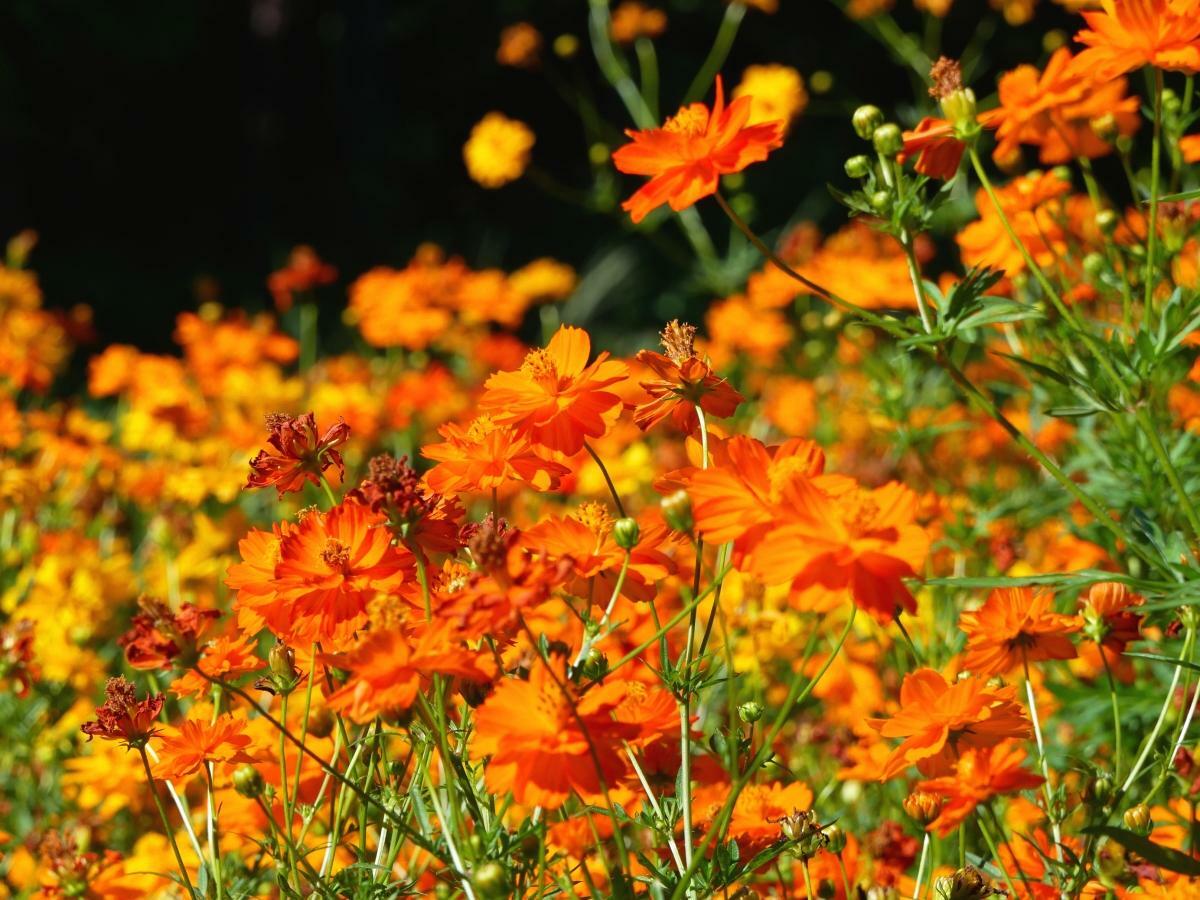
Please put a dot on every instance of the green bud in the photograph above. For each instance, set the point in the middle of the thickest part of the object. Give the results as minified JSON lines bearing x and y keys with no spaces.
{"x":248,"y":782}
{"x":750,"y":712}
{"x":826,"y":890}
{"x":888,"y":140}
{"x":1170,"y":101}
{"x":1062,"y":173}
{"x":965,"y":884}
{"x":490,"y":880}
{"x":1107,"y":220}
{"x":595,"y":666}
{"x":626,"y":533}
{"x":677,"y":511}
{"x":836,"y":839}
{"x":858,"y":166}
{"x":880,"y":201}
{"x":1138,"y":819}
{"x":1094,"y":265}
{"x":598,"y":154}
{"x":1102,"y":787}
{"x":866,"y":120}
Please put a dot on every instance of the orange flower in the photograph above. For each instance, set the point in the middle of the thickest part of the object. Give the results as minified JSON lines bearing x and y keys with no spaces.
{"x":938,"y":151}
{"x":556,"y":399}
{"x":197,"y":742}
{"x":1033,"y":206}
{"x":303,"y":272}
{"x":223,"y":658}
{"x":1015,"y":626}
{"x":1189,"y":146}
{"x":1054,"y":110}
{"x":1129,"y":34}
{"x":979,"y":774}
{"x":157,"y":635}
{"x":294,"y":454}
{"x":330,"y":567}
{"x":684,"y":381}
{"x":939,"y":719}
{"x":632,"y":20}
{"x":389,"y":667}
{"x":543,"y":752}
{"x":686,"y":157}
{"x":123,"y":717}
{"x":486,"y":456}
{"x":1108,"y":616}
{"x":757,"y":811}
{"x":254,"y":577}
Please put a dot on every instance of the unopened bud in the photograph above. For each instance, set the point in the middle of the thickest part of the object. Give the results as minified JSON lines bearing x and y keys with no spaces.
{"x":677,"y":511}
{"x":959,"y":107}
{"x":888,"y":140}
{"x":967,"y":883}
{"x":1107,"y":220}
{"x":1138,"y":819}
{"x":1105,"y":127}
{"x":1094,"y":265}
{"x":320,"y":721}
{"x":826,"y":889}
{"x":866,"y":120}
{"x":566,"y":46}
{"x":490,"y":880}
{"x":1170,"y":101}
{"x":803,"y":830}
{"x":626,"y":533}
{"x":835,"y":839}
{"x":880,"y":201}
{"x":282,"y":660}
{"x":858,"y":166}
{"x":923,"y":807}
{"x":750,"y":712}
{"x":248,"y":782}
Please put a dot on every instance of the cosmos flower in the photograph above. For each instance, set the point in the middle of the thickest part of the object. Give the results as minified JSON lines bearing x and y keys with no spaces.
{"x":122,"y":717}
{"x":1015,"y":626}
{"x":938,"y":720}
{"x":688,"y":155}
{"x":157,"y":635}
{"x":556,"y":398}
{"x":295,"y":454}
{"x":497,"y":151}
{"x":486,"y":456}
{"x":184,"y":753}
{"x":1128,"y":34}
{"x":979,"y":775}
{"x":684,"y":382}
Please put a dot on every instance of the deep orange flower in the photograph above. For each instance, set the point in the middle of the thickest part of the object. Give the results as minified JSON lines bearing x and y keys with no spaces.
{"x":1189,"y":146}
{"x":254,"y":577}
{"x":91,"y":876}
{"x":1015,"y":625}
{"x":1054,"y":110}
{"x":295,"y":454}
{"x":556,"y":399}
{"x":223,"y":658}
{"x":654,"y":711}
{"x":684,"y":381}
{"x":1033,"y":205}
{"x":329,"y":568}
{"x":486,"y":456}
{"x":541,"y":751}
{"x":937,"y":150}
{"x":1129,"y":34}
{"x":390,"y":666}
{"x":979,"y":774}
{"x":754,"y":823}
{"x":197,"y":742}
{"x":303,"y":272}
{"x":157,"y":635}
{"x":694,"y":148}
{"x":123,"y":717}
{"x":1107,"y":610}
{"x":585,"y":539}
{"x":938,"y":720}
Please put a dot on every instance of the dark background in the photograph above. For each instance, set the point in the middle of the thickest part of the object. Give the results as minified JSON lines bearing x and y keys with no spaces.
{"x":151,"y":143}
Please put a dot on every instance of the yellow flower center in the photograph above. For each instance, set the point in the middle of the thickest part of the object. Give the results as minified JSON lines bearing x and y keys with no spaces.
{"x":595,"y":518}
{"x":690,"y":121}
{"x":539,"y":366}
{"x":480,"y":428}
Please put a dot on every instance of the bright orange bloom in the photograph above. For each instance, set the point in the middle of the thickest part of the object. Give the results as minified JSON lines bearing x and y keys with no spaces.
{"x":1033,"y":205}
{"x":828,"y":536}
{"x":1129,"y":34}
{"x":330,"y":567}
{"x":485,"y":456}
{"x":1107,"y":610}
{"x":556,"y":399}
{"x":223,"y":658}
{"x":654,"y":711}
{"x":684,"y":382}
{"x":389,"y":667}
{"x":295,"y":454}
{"x":757,"y":811}
{"x":1015,"y":626}
{"x":938,"y":151}
{"x":939,"y":719}
{"x":688,"y":155}
{"x":1054,"y":109}
{"x":254,"y":577}
{"x":539,"y":749}
{"x":183,"y":754}
{"x":1189,"y":146}
{"x":632,"y":20}
{"x":979,"y":774}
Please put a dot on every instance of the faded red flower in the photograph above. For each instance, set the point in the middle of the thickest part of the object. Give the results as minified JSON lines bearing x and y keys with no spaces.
{"x":295,"y":454}
{"x":122,"y":717}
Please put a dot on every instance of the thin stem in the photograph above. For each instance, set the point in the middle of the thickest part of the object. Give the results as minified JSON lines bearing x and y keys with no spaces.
{"x":308,"y":334}
{"x":717,"y":54}
{"x":1162,"y":716}
{"x":1041,"y":745}
{"x":612,"y":488}
{"x":991,"y":844}
{"x":589,"y":640}
{"x":162,"y":812}
{"x":1116,"y":713}
{"x":641,"y":776}
{"x":1152,"y":225}
{"x":1164,"y":458}
{"x":214,"y":850}
{"x":920,"y":869}
{"x":648,"y":65}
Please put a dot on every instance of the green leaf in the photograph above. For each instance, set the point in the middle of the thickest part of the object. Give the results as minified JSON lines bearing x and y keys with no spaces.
{"x":1183,"y":663}
{"x":1182,"y":195}
{"x":1163,"y":857}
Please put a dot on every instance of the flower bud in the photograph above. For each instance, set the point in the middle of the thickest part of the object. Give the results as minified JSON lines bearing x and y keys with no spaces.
{"x":565,"y":46}
{"x":677,"y":511}
{"x":888,"y":140}
{"x":965,"y":884}
{"x":750,"y":712}
{"x":858,"y":166}
{"x":835,"y":839}
{"x":1110,"y":860}
{"x":626,"y":533}
{"x":1107,"y":220}
{"x":826,"y":889}
{"x":320,"y":721}
{"x":490,"y":880}
{"x":594,"y":666}
{"x":1101,"y":788}
{"x":282,"y":660}
{"x":923,"y":807}
{"x":1138,"y":820}
{"x":1105,"y":127}
{"x":803,"y":830}
{"x":866,"y":120}
{"x":959,"y":107}
{"x":1170,"y":101}
{"x":1094,"y":265}
{"x":248,"y":782}
{"x":880,"y":201}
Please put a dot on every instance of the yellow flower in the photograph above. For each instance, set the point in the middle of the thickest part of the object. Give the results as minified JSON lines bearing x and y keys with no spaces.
{"x":543,"y":279}
{"x":937,"y":8}
{"x":497,"y":151}
{"x":777,"y":93}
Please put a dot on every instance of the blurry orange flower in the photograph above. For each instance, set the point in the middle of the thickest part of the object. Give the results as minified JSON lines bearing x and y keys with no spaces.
{"x":389,"y":667}
{"x":1032,"y":204}
{"x":184,"y":753}
{"x":303,"y":272}
{"x":556,"y":398}
{"x":632,"y":20}
{"x":979,"y":774}
{"x":686,"y":157}
{"x":1015,"y":626}
{"x":409,"y":307}
{"x":1189,"y":146}
{"x":520,"y":45}
{"x":938,"y":720}
{"x":1054,"y":110}
{"x":295,"y":454}
{"x":222,"y":659}
{"x":757,"y":811}
{"x":157,"y":635}
{"x":1129,"y":34}
{"x":540,"y":749}
{"x":684,"y":381}
{"x":497,"y":150}
{"x":485,"y":456}
{"x":1107,"y":611}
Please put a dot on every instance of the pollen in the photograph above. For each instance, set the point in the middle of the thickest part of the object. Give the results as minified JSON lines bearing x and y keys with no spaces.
{"x":690,"y":121}
{"x":538,"y":365}
{"x":595,"y":517}
{"x":480,"y":428}
{"x":679,"y":341}
{"x":336,"y":555}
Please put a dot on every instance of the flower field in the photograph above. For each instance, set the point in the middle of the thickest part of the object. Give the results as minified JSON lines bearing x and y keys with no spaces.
{"x":875,"y":576}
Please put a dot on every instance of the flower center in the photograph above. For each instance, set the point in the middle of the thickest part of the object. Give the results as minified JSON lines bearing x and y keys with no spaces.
{"x":595,"y":518}
{"x":539,"y":366}
{"x":336,"y":555}
{"x":690,"y":121}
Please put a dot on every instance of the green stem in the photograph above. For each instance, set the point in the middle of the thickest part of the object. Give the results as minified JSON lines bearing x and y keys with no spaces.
{"x":1116,"y":713}
{"x":648,"y":64}
{"x":170,"y":832}
{"x":920,"y":868}
{"x":308,"y":334}
{"x":1152,"y":225}
{"x":612,"y":488}
{"x":717,"y":54}
{"x":1041,"y":745}
{"x":991,"y":844}
{"x":214,"y":849}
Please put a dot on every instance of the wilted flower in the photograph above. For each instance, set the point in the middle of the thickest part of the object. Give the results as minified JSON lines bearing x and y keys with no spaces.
{"x":295,"y":454}
{"x":122,"y":717}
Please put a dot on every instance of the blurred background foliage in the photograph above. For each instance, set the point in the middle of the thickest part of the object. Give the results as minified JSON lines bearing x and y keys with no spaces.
{"x":173,"y":152}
